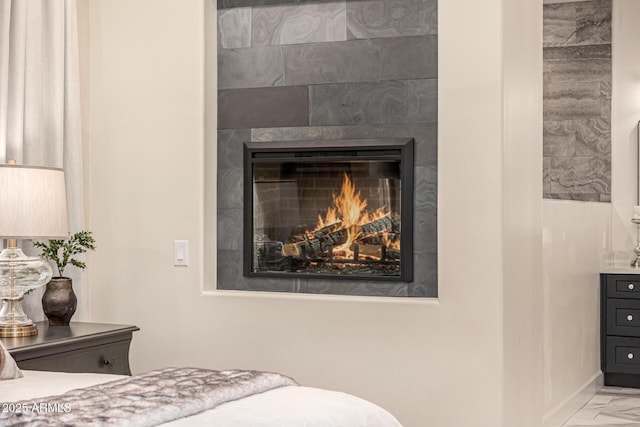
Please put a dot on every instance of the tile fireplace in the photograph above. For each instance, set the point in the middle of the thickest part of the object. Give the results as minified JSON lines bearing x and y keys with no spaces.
{"x":328,"y":209}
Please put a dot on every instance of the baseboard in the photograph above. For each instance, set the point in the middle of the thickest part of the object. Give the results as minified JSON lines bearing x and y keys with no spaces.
{"x":572,"y":404}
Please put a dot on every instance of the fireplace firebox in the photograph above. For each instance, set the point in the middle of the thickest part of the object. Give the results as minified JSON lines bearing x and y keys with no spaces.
{"x":329,"y":209}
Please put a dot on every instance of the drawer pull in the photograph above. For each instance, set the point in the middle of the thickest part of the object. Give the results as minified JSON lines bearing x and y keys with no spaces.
{"x":109,"y":362}
{"x":629,"y":318}
{"x":631,"y":286}
{"x":630,"y":356}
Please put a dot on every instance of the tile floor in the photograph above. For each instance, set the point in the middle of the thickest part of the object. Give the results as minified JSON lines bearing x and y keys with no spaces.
{"x":611,"y":406}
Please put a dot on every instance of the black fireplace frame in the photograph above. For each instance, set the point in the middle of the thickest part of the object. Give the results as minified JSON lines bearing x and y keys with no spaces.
{"x":399,"y":149}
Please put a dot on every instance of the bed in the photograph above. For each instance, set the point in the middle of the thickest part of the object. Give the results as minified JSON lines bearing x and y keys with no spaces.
{"x":50,"y":398}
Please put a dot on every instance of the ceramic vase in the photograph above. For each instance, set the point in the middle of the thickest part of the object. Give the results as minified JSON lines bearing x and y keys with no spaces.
{"x":59,"y":302}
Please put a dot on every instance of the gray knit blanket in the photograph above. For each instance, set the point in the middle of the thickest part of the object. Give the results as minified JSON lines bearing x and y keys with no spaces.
{"x":148,"y":399}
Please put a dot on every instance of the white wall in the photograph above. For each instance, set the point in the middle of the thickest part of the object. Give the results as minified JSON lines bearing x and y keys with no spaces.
{"x":626,"y":113}
{"x":576,"y":234}
{"x":420,"y":359}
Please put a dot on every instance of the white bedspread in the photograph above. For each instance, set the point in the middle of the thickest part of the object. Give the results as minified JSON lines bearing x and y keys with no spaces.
{"x":285,"y":406}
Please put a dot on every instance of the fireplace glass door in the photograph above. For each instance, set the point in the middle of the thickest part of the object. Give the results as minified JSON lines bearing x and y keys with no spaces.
{"x":335,"y":210}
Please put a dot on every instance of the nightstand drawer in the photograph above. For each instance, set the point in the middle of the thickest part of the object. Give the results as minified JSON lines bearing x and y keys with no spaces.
{"x":103,"y":359}
{"x":623,"y":355}
{"x":623,"y":286}
{"x":623,"y":317}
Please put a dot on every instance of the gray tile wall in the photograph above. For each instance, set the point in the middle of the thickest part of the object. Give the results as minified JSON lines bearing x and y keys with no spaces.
{"x":304,"y":70}
{"x":577,"y":101}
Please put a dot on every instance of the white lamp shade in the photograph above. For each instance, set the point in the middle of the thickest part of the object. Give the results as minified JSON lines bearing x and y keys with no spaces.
{"x":33,"y":203}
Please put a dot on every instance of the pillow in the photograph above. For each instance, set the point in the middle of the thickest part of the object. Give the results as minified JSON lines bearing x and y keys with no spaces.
{"x":8,"y":368}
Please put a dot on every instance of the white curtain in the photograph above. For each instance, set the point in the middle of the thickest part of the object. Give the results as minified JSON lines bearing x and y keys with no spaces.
{"x":40,"y":104}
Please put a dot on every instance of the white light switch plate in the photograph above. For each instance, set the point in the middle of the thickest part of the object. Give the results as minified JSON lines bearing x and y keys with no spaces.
{"x":180,"y":252}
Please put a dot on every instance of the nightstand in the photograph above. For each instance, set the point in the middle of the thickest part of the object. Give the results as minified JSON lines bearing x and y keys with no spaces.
{"x":80,"y":347}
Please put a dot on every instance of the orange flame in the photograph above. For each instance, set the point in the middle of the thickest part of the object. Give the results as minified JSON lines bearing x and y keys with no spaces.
{"x":349,"y":210}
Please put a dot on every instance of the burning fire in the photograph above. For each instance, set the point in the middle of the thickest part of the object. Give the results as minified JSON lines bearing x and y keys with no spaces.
{"x":349,"y":212}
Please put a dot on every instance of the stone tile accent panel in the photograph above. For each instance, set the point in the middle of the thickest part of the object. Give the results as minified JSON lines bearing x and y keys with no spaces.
{"x":410,"y":101}
{"x":397,"y":58}
{"x":577,"y":100}
{"x":422,"y":101}
{"x":227,"y":4}
{"x":316,"y":70}
{"x":559,"y":138}
{"x":409,"y":57}
{"x":358,"y":103}
{"x":234,"y":28}
{"x":593,"y":22}
{"x":568,"y":100}
{"x":230,"y":147}
{"x":593,"y":137}
{"x":546,"y":177}
{"x":230,"y":193}
{"x":263,"y":107}
{"x":577,"y":23}
{"x":580,"y":178}
{"x":380,"y":18}
{"x":299,"y":133}
{"x":250,"y":67}
{"x":293,"y":24}
{"x":318,"y":63}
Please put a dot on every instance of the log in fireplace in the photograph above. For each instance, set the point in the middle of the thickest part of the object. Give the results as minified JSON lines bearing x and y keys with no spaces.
{"x":329,"y":209}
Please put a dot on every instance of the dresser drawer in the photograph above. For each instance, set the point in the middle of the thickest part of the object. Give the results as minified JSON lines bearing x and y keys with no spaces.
{"x":623,"y":355}
{"x":623,"y":317}
{"x":623,"y":286}
{"x":110,"y":358}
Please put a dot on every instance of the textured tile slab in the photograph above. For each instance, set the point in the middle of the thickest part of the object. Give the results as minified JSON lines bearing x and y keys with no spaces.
{"x":234,"y":28}
{"x":263,"y":107}
{"x":578,"y":70}
{"x":580,"y":178}
{"x":230,"y":147}
{"x":303,"y":23}
{"x":339,"y":62}
{"x":426,"y":229}
{"x":559,"y":24}
{"x":426,"y":189}
{"x":230,"y":190}
{"x":422,"y":101}
{"x":425,"y":207}
{"x":577,"y":52}
{"x":571,"y":100}
{"x":225,"y":4}
{"x":559,"y":138}
{"x":577,"y":23}
{"x":425,"y":276}
{"x":593,"y":22}
{"x":299,"y":134}
{"x":409,"y":57}
{"x":593,"y":137}
{"x":358,"y":103}
{"x":379,"y":18}
{"x":229,"y":234}
{"x":605,"y":99}
{"x":345,"y":287}
{"x":546,"y":177}
{"x":251,"y":67}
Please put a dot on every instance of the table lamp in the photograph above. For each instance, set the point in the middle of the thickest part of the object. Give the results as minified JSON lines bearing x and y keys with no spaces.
{"x":33,"y":205}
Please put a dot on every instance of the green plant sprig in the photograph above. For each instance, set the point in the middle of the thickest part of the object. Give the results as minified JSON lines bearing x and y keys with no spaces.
{"x":61,"y":252}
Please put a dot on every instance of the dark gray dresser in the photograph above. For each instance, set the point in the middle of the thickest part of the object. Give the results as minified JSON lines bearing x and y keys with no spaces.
{"x":620,"y":329}
{"x":80,"y":347}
